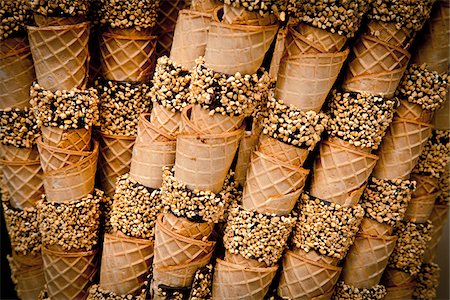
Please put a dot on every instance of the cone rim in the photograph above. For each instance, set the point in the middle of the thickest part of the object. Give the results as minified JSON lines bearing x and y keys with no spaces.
{"x":124,"y":237}
{"x":246,"y":268}
{"x":342,"y":53}
{"x":58,"y":27}
{"x":145,"y":119}
{"x":215,"y":21}
{"x":378,"y":41}
{"x":128,"y":37}
{"x":302,"y":170}
{"x":117,"y":136}
{"x":19,"y":162}
{"x":40,"y":142}
{"x":315,"y":263}
{"x":69,"y":254}
{"x":373,"y":156}
{"x":197,"y":135}
{"x":386,"y":238}
{"x":403,"y":120}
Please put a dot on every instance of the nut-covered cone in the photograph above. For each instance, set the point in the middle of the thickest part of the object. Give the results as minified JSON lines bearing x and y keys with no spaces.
{"x":401,"y":148}
{"x":241,"y":15}
{"x":420,"y":208}
{"x":269,"y":179}
{"x":425,"y":184}
{"x":390,"y":33}
{"x":72,"y":182}
{"x":214,"y":124}
{"x":148,"y":160}
{"x":183,"y":226}
{"x":340,"y":170}
{"x":304,"y":279}
{"x":392,"y":277}
{"x":367,"y":259}
{"x":247,"y":145}
{"x":232,"y":281}
{"x":190,"y":37}
{"x":438,"y":218}
{"x":17,"y":73}
{"x":11,"y":153}
{"x":68,"y":139}
{"x":125,"y":263}
{"x":305,"y":80}
{"x":202,"y":161}
{"x":127,"y":55}
{"x":167,"y":120}
{"x":284,"y":152}
{"x":114,"y":160}
{"x":23,"y":181}
{"x":374,"y":228}
{"x":411,"y":111}
{"x":400,"y":292}
{"x":69,"y":274}
{"x":237,"y":48}
{"x":148,"y":132}
{"x":60,"y":55}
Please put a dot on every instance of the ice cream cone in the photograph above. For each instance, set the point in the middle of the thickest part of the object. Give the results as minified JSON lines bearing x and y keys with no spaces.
{"x":324,"y":41}
{"x":401,"y":148}
{"x":172,"y":249}
{"x":237,"y":48}
{"x":313,"y":255}
{"x":233,"y":281}
{"x":271,"y":183}
{"x":127,"y":55}
{"x":438,"y":219}
{"x":148,"y":132}
{"x":411,"y":111}
{"x":305,"y":80}
{"x":167,"y":120}
{"x":54,"y":158}
{"x":12,"y":45}
{"x":72,"y":182}
{"x":17,"y":73}
{"x":125,"y":263}
{"x":420,"y":208}
{"x":278,"y":53}
{"x":374,"y":228}
{"x":425,"y":184}
{"x":148,"y":160}
{"x":390,"y":33}
{"x":304,"y":279}
{"x":190,"y":36}
{"x":367,"y":259}
{"x":183,"y":226}
{"x":26,"y":261}
{"x":168,"y":13}
{"x":378,"y":60}
{"x":44,"y":21}
{"x":340,"y":171}
{"x":392,"y":278}
{"x":12,"y":153}
{"x":238,"y":259}
{"x":69,"y":274}
{"x":60,"y":55}
{"x":298,"y":44}
{"x":68,"y":139}
{"x":247,"y":145}
{"x":434,"y":42}
{"x":29,"y":280}
{"x":23,"y":181}
{"x":207,"y":6}
{"x":400,"y":292}
{"x":214,"y":124}
{"x":242,"y":16}
{"x":289,"y":154}
{"x":202,"y":161}
{"x":115,"y":159}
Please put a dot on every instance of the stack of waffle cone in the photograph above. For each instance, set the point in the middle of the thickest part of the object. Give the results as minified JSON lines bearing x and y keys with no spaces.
{"x":247,"y":145}
{"x":414,"y":112}
{"x":29,"y":278}
{"x":8,"y":152}
{"x":240,"y":15}
{"x":67,"y":139}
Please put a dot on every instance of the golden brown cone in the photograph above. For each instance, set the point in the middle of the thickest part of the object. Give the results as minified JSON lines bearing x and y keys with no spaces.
{"x":401,"y":148}
{"x":242,"y":16}
{"x":420,"y":208}
{"x":72,"y":182}
{"x":127,"y":55}
{"x":168,"y":121}
{"x":392,"y":277}
{"x":188,"y":228}
{"x":147,"y":132}
{"x":216,"y":123}
{"x":173,"y":249}
{"x":148,"y":160}
{"x":425,"y":184}
{"x":29,"y":280}
{"x":17,"y":73}
{"x":278,"y":53}
{"x":202,"y":161}
{"x":305,"y":80}
{"x":190,"y":37}
{"x":281,"y":151}
{"x":23,"y":181}
{"x":322,"y":40}
{"x":8,"y":152}
{"x":279,"y":205}
{"x":125,"y":263}
{"x":238,"y":259}
{"x":304,"y":279}
{"x":315,"y":256}
{"x":390,"y":33}
{"x":411,"y":111}
{"x":400,"y":292}
{"x":168,"y":12}
{"x":340,"y":172}
{"x":374,"y":228}
{"x":247,"y":145}
{"x":367,"y":259}
{"x":28,"y":260}
{"x":233,"y":281}
{"x":44,"y":21}
{"x":68,"y":139}
{"x":207,"y":6}
{"x":60,"y":55}
{"x":243,"y":46}
{"x":268,"y":178}
{"x":69,"y":275}
{"x":442,"y":116}
{"x":114,"y":159}
{"x":438,"y":218}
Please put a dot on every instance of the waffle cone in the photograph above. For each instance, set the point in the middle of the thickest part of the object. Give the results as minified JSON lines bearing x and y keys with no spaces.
{"x":17,"y":73}
{"x":69,"y":275}
{"x":392,"y":278}
{"x":168,"y":13}
{"x":247,"y":145}
{"x":202,"y":161}
{"x":214,"y":124}
{"x":72,"y":182}
{"x":25,"y":261}
{"x":60,"y":55}
{"x":374,"y":228}
{"x":400,"y":292}
{"x":125,"y":263}
{"x":148,"y":132}
{"x":438,"y":218}
{"x":115,"y":159}
{"x":390,"y":33}
{"x":242,"y":46}
{"x":44,"y":21}
{"x":68,"y":139}
{"x":401,"y":148}
{"x":23,"y":181}
{"x":434,"y":43}
{"x":324,"y":41}
{"x":278,"y":53}
{"x":166,"y":120}
{"x":442,"y":116}
{"x":238,"y":259}
{"x":305,"y":80}
{"x":164,"y":43}
{"x":29,"y":279}
{"x":304,"y":279}
{"x":190,"y":37}
{"x":286,"y":153}
{"x":207,"y":6}
{"x":272,"y":185}
{"x":297,"y":44}
{"x":172,"y":249}
{"x":340,"y":171}
{"x":367,"y":259}
{"x":13,"y":153}
{"x":184,"y":227}
{"x":420,"y":208}
{"x":242,"y":16}
{"x":313,"y":255}
{"x":233,"y":281}
{"x":411,"y":111}
{"x":425,"y":184}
